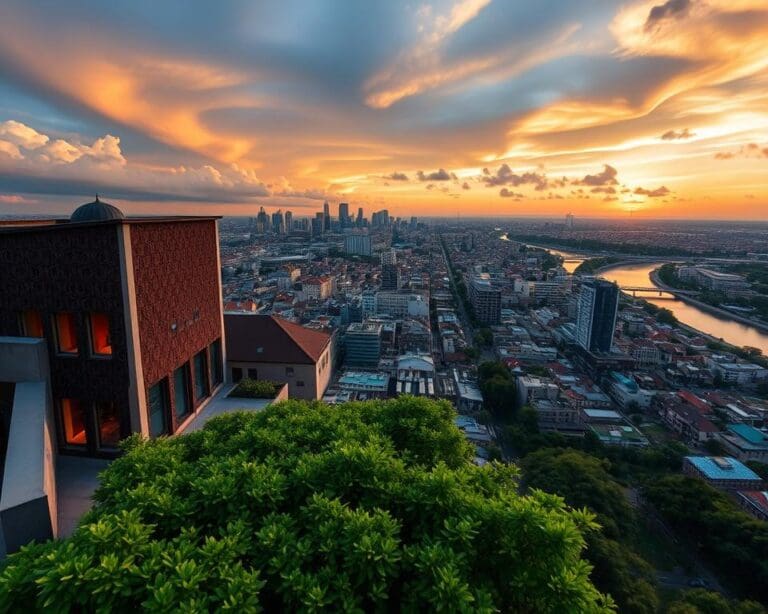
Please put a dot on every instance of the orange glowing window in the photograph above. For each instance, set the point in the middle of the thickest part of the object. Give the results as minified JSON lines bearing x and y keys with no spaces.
{"x":101,"y":341}
{"x":66,"y":333}
{"x":31,"y":324}
{"x":73,"y":422}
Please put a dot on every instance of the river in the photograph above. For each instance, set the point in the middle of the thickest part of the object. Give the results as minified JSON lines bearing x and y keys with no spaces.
{"x":730,"y":331}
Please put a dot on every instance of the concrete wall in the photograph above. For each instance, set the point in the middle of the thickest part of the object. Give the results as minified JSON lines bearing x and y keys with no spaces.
{"x":275,"y":372}
{"x":28,"y":506}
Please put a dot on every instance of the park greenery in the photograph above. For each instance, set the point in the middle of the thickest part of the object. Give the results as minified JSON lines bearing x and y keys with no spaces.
{"x":592,"y":265}
{"x":249,"y":388}
{"x":371,"y":506}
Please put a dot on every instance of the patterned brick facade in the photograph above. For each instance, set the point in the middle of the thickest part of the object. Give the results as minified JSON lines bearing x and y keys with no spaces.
{"x":176,"y":274}
{"x":69,"y":269}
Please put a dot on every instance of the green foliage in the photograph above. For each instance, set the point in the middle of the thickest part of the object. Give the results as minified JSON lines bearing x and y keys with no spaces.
{"x":701,"y":601}
{"x":591,"y":265}
{"x":665,"y":316}
{"x":484,"y":337}
{"x":759,"y":468}
{"x":304,"y":507}
{"x":735,"y":543}
{"x":255,"y":389}
{"x":498,"y":388}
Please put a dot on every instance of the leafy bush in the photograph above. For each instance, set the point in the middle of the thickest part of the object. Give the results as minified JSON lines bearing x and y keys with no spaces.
{"x":255,"y":389}
{"x":304,"y":506}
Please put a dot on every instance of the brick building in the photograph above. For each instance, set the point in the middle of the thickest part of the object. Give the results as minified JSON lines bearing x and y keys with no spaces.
{"x":130,"y":309}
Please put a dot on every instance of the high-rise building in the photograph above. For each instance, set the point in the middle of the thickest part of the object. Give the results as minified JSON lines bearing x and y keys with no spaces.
{"x":317,"y":225}
{"x":380,"y":219}
{"x":390,"y":277}
{"x":485,"y":299}
{"x":388,"y":257}
{"x":326,"y":217}
{"x":569,"y":221}
{"x":596,"y":322}
{"x":278,"y":224}
{"x":358,"y":243}
{"x":130,"y":315}
{"x":360,"y":219}
{"x":343,"y":215}
{"x":288,"y":221}
{"x":262,"y":221}
{"x":362,"y":344}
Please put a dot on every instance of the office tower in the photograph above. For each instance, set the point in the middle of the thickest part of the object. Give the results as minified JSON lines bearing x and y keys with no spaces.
{"x":380,"y":219}
{"x":343,"y":215}
{"x":278,"y":224}
{"x":598,"y":305}
{"x":358,"y":243}
{"x":129,"y":317}
{"x":414,"y":221}
{"x":389,"y":257}
{"x":317,"y":225}
{"x":326,"y":217}
{"x":390,"y":277}
{"x":362,"y":344}
{"x":360,"y":219}
{"x":262,"y":221}
{"x":288,"y":221}
{"x":485,"y":299}
{"x":569,"y":221}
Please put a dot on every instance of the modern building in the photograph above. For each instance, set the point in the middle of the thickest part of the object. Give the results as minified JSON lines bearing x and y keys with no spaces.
{"x":265,"y":347}
{"x":278,"y":223}
{"x":722,"y":472}
{"x":598,"y":306}
{"x":344,"y":215}
{"x":388,"y":256}
{"x":415,"y":375}
{"x":357,"y":243}
{"x":288,"y":221}
{"x":402,"y":304}
{"x":326,"y":217}
{"x":131,"y":313}
{"x":746,"y":442}
{"x":390,"y":277}
{"x":485,"y":299}
{"x":362,"y":344}
{"x":317,"y":288}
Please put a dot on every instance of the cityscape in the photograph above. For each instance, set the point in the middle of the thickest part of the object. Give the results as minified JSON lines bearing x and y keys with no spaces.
{"x":255,"y":361}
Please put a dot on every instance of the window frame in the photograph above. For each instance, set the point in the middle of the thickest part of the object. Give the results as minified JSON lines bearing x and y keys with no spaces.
{"x":165,"y":392}
{"x":57,"y":336}
{"x":65,"y":443}
{"x":99,"y":444}
{"x":91,"y":349}
{"x":206,"y":389}
{"x":24,"y":328}
{"x":190,"y":404}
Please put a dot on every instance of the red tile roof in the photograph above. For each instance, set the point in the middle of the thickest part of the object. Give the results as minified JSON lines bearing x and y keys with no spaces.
{"x":265,"y":338}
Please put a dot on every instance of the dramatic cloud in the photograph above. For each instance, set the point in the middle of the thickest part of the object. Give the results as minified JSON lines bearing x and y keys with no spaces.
{"x":672,"y":135}
{"x":671,"y":8}
{"x":658,"y":192}
{"x":397,"y":176}
{"x":506,"y":193}
{"x":438,"y":175}
{"x":607,"y":177}
{"x":505,"y":176}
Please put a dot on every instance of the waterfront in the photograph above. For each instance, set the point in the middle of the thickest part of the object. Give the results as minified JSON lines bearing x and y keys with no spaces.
{"x":726,"y":329}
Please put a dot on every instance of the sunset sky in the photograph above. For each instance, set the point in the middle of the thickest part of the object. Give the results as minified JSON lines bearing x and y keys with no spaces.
{"x":488,"y":107}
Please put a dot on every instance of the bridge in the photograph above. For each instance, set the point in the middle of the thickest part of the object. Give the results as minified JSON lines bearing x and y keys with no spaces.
{"x":660,"y":292}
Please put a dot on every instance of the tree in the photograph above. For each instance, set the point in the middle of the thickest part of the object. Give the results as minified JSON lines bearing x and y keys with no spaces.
{"x":363,"y":507}
{"x":701,"y":601}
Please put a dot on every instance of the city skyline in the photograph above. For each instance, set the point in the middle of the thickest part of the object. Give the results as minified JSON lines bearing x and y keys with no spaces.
{"x":600,"y":109}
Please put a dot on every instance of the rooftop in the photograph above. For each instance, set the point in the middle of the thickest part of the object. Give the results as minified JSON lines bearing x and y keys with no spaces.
{"x":722,"y":468}
{"x":266,"y":338}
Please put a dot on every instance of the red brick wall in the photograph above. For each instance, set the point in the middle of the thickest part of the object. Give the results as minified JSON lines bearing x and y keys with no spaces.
{"x":176,"y":274}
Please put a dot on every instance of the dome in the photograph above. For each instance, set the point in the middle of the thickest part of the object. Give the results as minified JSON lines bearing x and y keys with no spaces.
{"x":96,"y":211}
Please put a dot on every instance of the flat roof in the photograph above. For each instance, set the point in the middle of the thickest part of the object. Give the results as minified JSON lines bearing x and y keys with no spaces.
{"x":722,"y":468}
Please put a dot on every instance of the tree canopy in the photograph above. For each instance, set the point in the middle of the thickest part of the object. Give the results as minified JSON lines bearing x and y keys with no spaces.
{"x":304,"y":506}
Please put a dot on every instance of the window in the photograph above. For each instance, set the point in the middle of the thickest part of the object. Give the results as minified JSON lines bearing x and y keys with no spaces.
{"x":237,"y":374}
{"x":73,"y":423}
{"x":101,"y":341}
{"x":300,"y":383}
{"x":181,"y":391}
{"x":216,"y":369}
{"x":107,"y":424}
{"x":289,"y":371}
{"x":201,"y":383}
{"x":253,"y":373}
{"x":66,"y":333}
{"x":158,"y":409}
{"x":31,"y":324}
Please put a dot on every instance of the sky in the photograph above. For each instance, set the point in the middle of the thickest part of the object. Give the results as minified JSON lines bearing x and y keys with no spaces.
{"x":600,"y":108}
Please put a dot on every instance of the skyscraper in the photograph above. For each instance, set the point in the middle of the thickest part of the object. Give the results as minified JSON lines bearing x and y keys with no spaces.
{"x":360,"y":218}
{"x":288,"y":221}
{"x":598,"y":305}
{"x":326,"y":217}
{"x":343,"y":214}
{"x":262,"y":221}
{"x":278,"y":225}
{"x":390,"y":277}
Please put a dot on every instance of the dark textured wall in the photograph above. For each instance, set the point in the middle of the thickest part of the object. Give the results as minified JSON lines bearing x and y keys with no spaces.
{"x":77,"y":269}
{"x":176,"y":274}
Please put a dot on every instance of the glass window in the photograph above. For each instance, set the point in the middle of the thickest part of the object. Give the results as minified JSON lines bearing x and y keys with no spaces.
{"x":201,"y":384}
{"x":31,"y":324}
{"x":107,"y":423}
{"x":181,"y":391}
{"x":237,"y":374}
{"x":216,"y":368}
{"x":73,"y":422}
{"x":300,"y":383}
{"x":158,"y":409}
{"x":66,"y":333}
{"x":101,"y":341}
{"x":289,"y":371}
{"x":253,"y":373}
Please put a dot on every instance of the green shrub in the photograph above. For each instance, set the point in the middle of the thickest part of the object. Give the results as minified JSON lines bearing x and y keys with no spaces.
{"x":255,"y":389}
{"x":363,"y":507}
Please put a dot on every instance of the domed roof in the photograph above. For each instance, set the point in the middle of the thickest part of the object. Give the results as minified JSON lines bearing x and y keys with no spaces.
{"x":96,"y":211}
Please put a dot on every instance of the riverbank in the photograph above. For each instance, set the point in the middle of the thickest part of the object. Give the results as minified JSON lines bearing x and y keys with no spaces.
{"x":718,"y":311}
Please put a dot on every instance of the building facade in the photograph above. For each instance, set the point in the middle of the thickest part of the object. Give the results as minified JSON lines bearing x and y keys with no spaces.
{"x":598,"y":306}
